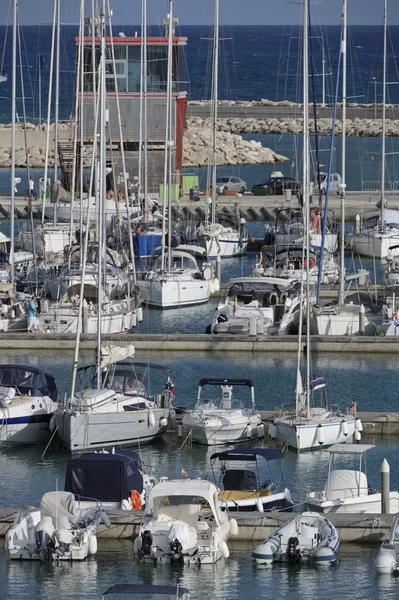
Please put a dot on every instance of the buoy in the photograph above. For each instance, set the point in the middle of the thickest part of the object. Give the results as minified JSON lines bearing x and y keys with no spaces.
{"x":358,"y":436}
{"x":93,"y":544}
{"x":180,"y":430}
{"x":151,"y":419}
{"x":272,"y":430}
{"x":320,"y":434}
{"x":259,"y":505}
{"x":133,"y":320}
{"x":139,"y":312}
{"x":358,"y":425}
{"x":260,"y":428}
{"x":233,"y":527}
{"x":344,"y":427}
{"x":216,"y":285}
{"x":125,"y":321}
{"x":53,"y":423}
{"x":172,"y":420}
{"x":224,"y":550}
{"x":163,"y":422}
{"x":249,"y":430}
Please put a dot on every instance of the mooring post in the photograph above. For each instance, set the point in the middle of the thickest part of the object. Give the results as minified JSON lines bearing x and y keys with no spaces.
{"x":385,"y":472}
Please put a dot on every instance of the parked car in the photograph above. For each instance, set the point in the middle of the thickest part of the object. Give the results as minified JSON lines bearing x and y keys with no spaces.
{"x":276,"y":185}
{"x":335,"y":181}
{"x":235,"y":184}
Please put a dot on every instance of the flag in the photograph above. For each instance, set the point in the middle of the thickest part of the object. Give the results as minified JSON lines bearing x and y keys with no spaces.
{"x":183,"y":473}
{"x":320,"y":139}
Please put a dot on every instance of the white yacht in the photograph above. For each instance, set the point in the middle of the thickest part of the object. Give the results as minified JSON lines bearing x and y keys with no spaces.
{"x":186,"y":281}
{"x":116,"y":409}
{"x":290,"y":231}
{"x":57,"y":530}
{"x":387,"y":560}
{"x":183,"y":524}
{"x":28,"y":399}
{"x":379,"y":236}
{"x":224,"y":420}
{"x":348,"y":490}
{"x":310,"y":537}
{"x":224,"y":238}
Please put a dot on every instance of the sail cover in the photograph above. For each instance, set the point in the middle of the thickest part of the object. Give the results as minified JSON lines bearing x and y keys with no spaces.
{"x":113,"y":354}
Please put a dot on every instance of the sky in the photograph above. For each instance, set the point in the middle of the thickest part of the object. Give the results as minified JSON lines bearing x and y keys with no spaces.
{"x":200,"y":12}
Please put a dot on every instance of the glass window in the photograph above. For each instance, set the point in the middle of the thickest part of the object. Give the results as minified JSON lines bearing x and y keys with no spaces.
{"x":133,"y":67}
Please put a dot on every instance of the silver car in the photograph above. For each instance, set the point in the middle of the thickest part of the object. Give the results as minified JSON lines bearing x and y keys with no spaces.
{"x":235,"y":184}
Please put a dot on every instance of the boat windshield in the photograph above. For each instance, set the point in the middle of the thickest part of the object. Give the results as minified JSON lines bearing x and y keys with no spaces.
{"x":219,"y":403}
{"x":179,"y":262}
{"x":126,"y":383}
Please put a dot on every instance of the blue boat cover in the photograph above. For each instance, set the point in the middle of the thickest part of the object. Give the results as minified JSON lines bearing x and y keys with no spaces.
{"x":248,"y":454}
{"x":28,"y":380}
{"x":132,"y":588}
{"x":208,"y":381}
{"x":103,"y":476}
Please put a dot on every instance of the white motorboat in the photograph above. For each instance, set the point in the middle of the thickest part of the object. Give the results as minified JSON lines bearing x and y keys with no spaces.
{"x":391,"y":275}
{"x":178,"y":592}
{"x":186,"y":281}
{"x":183,"y":524}
{"x":387,"y":560}
{"x":224,"y":420}
{"x":348,"y":490}
{"x":58,"y":530}
{"x":119,"y":410}
{"x":114,"y":479}
{"x":310,"y":537}
{"x":264,"y":300}
{"x":241,"y":488}
{"x":28,"y":399}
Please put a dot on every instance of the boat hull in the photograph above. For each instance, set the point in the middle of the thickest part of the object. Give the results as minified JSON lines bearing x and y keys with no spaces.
{"x":304,"y":437}
{"x":377,"y":246}
{"x":175,"y":293}
{"x":226,"y":246}
{"x":26,"y":421}
{"x":368,"y":503}
{"x":218,"y":432}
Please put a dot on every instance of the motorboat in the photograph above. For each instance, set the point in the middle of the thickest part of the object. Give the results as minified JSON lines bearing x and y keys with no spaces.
{"x":348,"y":490}
{"x":119,"y":409}
{"x":308,"y":426}
{"x":391,"y":275}
{"x":184,"y":278}
{"x":113,"y":479}
{"x":226,"y":237}
{"x":242,"y":488}
{"x":132,"y":589}
{"x":309,"y":537}
{"x":28,"y":399}
{"x":387,"y":560}
{"x":183,"y":524}
{"x":56,"y":531}
{"x":260,"y":301}
{"x":224,"y":420}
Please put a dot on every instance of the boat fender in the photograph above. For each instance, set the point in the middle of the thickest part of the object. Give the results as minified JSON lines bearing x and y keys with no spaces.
{"x":52,"y":425}
{"x":358,"y":425}
{"x":320,"y":434}
{"x":233,"y":527}
{"x":172,"y":420}
{"x":249,"y":430}
{"x":260,"y":428}
{"x":105,"y":519}
{"x":136,"y":501}
{"x":151,"y":419}
{"x":358,"y":436}
{"x":163,"y":422}
{"x":224,"y":550}
{"x":7,"y":397}
{"x":216,"y":285}
{"x":139,"y":313}
{"x":93,"y":544}
{"x":259,"y":505}
{"x":272,"y":430}
{"x":211,"y":288}
{"x":344,"y":427}
{"x":180,"y":430}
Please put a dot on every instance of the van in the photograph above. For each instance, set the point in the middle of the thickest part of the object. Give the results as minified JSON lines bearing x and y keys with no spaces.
{"x":335,"y":182}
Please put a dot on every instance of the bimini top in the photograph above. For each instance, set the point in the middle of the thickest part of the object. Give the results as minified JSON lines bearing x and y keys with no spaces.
{"x":103,"y":476}
{"x":28,"y":380}
{"x":209,"y":381}
{"x":350,"y":448}
{"x":248,"y":454}
{"x":131,"y":588}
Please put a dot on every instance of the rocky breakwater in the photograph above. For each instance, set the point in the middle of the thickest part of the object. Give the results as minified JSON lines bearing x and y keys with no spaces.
{"x":35,"y":141}
{"x":231,"y":148}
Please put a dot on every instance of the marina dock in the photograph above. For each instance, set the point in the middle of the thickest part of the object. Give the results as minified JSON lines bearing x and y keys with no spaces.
{"x":252,"y":526}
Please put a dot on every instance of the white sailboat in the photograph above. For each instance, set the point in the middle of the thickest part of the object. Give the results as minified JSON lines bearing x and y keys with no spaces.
{"x":378,"y":240}
{"x":308,"y":425}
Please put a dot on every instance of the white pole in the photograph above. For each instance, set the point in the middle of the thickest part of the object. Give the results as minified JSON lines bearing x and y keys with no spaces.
{"x":215,"y":107}
{"x":343,"y":163}
{"x":13,"y":111}
{"x":57,"y":101}
{"x":145,"y":131}
{"x":385,"y":485}
{"x":384,"y":82}
{"x":140,"y":156}
{"x":170,"y":141}
{"x":306,"y":196}
{"x":323,"y":64}
{"x":40,"y":89}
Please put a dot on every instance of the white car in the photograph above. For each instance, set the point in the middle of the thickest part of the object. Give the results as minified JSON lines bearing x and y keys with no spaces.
{"x":335,"y":182}
{"x":224,"y":184}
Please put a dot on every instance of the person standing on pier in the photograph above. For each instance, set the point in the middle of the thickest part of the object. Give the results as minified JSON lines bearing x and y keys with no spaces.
{"x":32,"y":315}
{"x":32,"y":191}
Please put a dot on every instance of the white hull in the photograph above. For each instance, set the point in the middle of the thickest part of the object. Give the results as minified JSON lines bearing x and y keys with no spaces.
{"x":287,"y":239}
{"x":63,"y":318}
{"x":175,"y":293}
{"x":63,"y":210}
{"x":227,"y":246}
{"x":304,"y":436}
{"x":224,"y":430}
{"x":375,"y":245}
{"x":345,"y":322}
{"x":15,"y":325}
{"x":26,"y":420}
{"x":84,"y":431}
{"x":368,"y":503}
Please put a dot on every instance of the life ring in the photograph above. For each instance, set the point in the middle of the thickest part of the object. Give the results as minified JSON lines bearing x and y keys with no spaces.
{"x":135,"y":500}
{"x":311,"y":263}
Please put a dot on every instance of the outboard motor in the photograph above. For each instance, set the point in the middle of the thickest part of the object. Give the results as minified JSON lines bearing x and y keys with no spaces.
{"x":146,"y":543}
{"x":177,"y":551}
{"x":293,"y":551}
{"x":45,"y":538}
{"x":63,"y":536}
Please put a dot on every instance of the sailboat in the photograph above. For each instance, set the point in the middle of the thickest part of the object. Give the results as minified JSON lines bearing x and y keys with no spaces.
{"x":380,"y":239}
{"x":311,"y":424}
{"x":221,"y":235}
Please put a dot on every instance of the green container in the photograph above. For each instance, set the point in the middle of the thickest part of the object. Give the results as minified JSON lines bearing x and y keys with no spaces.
{"x":189,"y":182}
{"x":261,"y":192}
{"x":175,"y":192}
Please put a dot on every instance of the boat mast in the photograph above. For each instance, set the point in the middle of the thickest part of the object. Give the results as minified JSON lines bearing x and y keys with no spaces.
{"x":145,"y":131}
{"x":343,"y":163}
{"x":140,"y":156}
{"x":102,"y":190}
{"x":215,"y":107}
{"x":13,"y":111}
{"x":170,"y":131}
{"x":167,"y":167}
{"x":306,"y":195}
{"x":57,"y":99}
{"x":384,"y":85}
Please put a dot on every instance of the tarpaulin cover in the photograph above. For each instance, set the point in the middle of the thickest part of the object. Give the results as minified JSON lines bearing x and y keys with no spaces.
{"x":30,"y":381}
{"x":239,"y":479}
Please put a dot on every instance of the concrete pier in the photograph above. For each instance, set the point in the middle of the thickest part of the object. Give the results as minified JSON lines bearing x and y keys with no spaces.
{"x":252,"y":526}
